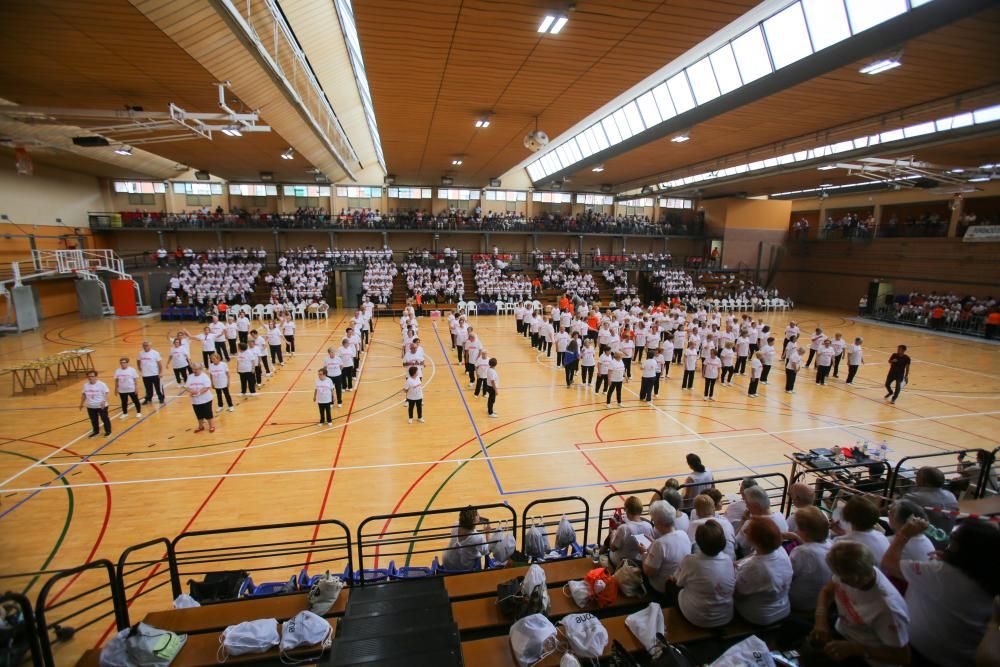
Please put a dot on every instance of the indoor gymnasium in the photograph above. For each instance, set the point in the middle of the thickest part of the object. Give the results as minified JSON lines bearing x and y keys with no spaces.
{"x":499,"y":333}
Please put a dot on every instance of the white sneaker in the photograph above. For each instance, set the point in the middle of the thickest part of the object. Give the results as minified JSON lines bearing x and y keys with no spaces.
{"x":231,"y":408}
{"x":267,"y":374}
{"x":493,"y":415}
{"x":704,"y":398}
{"x":138,"y":415}
{"x":711,"y":398}
{"x":123,"y":415}
{"x":243,"y":394}
{"x":340,"y":405}
{"x":410,"y":420}
{"x":420,"y":419}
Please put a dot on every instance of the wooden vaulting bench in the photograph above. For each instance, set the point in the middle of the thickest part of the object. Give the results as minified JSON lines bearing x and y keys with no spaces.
{"x":496,"y":651}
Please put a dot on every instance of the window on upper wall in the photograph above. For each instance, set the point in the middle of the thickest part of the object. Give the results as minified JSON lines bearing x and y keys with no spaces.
{"x":552,"y":197}
{"x":359,"y":192}
{"x":306,"y":190}
{"x":505,"y":195}
{"x":253,"y":189}
{"x":457,"y":195}
{"x":411,"y":193}
{"x":140,"y":187}
{"x":208,"y":189}
{"x":670,"y":202}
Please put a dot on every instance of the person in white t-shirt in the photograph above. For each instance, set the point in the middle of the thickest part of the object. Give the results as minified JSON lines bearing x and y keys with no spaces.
{"x":661,"y":559}
{"x":246,"y":362}
{"x":855,"y":357}
{"x":414,"y":390}
{"x":623,"y":545}
{"x":700,"y":478}
{"x":492,"y":388}
{"x":767,"y":349}
{"x":588,"y":362}
{"x":704,"y":511}
{"x":472,"y":348}
{"x":919,"y":547}
{"x":288,"y":331}
{"x":758,"y":504}
{"x":243,"y":328}
{"x":219,"y":371}
{"x":862,"y":516}
{"x":262,"y":368}
{"x":756,"y":369}
{"x":616,"y":376}
{"x":151,"y":369}
{"x":323,"y":397}
{"x":482,"y":366}
{"x":334,"y":372}
{"x":346,"y":354}
{"x":467,"y":545}
{"x":207,"y":339}
{"x":603,"y":361}
{"x":690,"y":360}
{"x":710,"y":371}
{"x":199,"y":386}
{"x":839,"y":344}
{"x":810,"y":573}
{"x":650,"y":371}
{"x":562,"y":340}
{"x":764,"y":579}
{"x":231,"y":335}
{"x":873,"y":623}
{"x":824,"y":361}
{"x":95,"y":397}
{"x":793,"y":362}
{"x":707,"y":580}
{"x":180,"y":361}
{"x":950,"y":600}
{"x":126,"y":378}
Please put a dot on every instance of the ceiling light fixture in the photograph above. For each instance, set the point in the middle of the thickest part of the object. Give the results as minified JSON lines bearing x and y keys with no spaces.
{"x":457,"y":162}
{"x":124,"y":150}
{"x":232,"y":131}
{"x":553,"y":24}
{"x":979,"y":179}
{"x":827,"y":167}
{"x":680,"y":138}
{"x":599,"y":168}
{"x":957,"y":170}
{"x":288,"y":154}
{"x":826,"y":185}
{"x":484,"y":121}
{"x":883,"y":65}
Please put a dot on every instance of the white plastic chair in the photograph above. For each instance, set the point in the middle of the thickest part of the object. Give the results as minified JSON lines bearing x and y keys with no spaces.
{"x":323,"y":311}
{"x":461,"y":307}
{"x":269,"y":311}
{"x":471,"y":308}
{"x":299,"y":311}
{"x":258,"y":311}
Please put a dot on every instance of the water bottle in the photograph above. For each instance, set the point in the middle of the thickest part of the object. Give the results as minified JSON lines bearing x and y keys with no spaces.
{"x":883,"y":450}
{"x":864,"y":449}
{"x":595,"y":555}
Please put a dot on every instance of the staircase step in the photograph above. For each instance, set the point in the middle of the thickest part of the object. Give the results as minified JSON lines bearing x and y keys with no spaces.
{"x":412,"y":604}
{"x":397,"y":589}
{"x":438,"y":649}
{"x":395,"y":624}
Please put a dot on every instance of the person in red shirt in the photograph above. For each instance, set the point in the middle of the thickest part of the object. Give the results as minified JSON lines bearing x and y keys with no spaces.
{"x":937,"y":318}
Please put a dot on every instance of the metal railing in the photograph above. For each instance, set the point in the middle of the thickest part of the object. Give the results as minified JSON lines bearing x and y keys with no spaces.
{"x":578,"y":518}
{"x":604,"y":516}
{"x":776,"y":492}
{"x":835,"y":477}
{"x":971,"y":325}
{"x":904,"y":474}
{"x":153,"y":575}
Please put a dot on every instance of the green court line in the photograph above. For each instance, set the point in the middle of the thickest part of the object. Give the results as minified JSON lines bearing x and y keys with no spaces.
{"x":66,"y":524}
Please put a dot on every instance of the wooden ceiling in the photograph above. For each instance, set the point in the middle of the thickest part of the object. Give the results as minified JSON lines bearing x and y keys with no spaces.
{"x":434,"y":67}
{"x":105,"y":54}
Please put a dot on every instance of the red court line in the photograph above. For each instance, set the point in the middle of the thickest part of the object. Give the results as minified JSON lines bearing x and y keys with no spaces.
{"x":594,"y":466}
{"x":232,"y":465}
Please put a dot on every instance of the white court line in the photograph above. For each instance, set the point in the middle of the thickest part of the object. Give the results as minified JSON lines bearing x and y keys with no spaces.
{"x":558,"y":452}
{"x":174,"y":457}
{"x":67,"y":446}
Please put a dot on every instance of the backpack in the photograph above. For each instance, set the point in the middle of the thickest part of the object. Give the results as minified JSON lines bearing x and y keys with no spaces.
{"x":14,"y":641}
{"x":514,"y":604}
{"x":218,"y":586}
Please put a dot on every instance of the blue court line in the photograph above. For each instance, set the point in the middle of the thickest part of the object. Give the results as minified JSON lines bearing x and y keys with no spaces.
{"x":635,"y":479}
{"x":461,"y":395}
{"x":85,"y":460}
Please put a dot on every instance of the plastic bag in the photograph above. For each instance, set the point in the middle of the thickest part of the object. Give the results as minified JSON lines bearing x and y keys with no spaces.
{"x":113,"y":653}
{"x":248,"y":637}
{"x":304,"y":629}
{"x":603,"y":587}
{"x":645,"y":624}
{"x":569,"y":660}
{"x":534,"y":580}
{"x":536,"y":541}
{"x":565,"y":535}
{"x":585,"y":635}
{"x":579,"y":591}
{"x":532,"y":638}
{"x":147,"y":646}
{"x":751,"y":652}
{"x":504,"y":545}
{"x":185,"y":601}
{"x":629,"y":578}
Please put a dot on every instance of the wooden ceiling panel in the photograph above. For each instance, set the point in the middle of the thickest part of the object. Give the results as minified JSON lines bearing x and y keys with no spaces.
{"x":475,"y":56}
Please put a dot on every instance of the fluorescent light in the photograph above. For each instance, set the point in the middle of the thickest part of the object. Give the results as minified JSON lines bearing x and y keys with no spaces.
{"x":827,"y":167}
{"x":986,"y":166}
{"x":289,"y":154}
{"x":457,"y":162}
{"x":232,"y":131}
{"x":957,"y":170}
{"x":826,"y":185}
{"x":979,"y":179}
{"x":553,"y":24}
{"x":124,"y":150}
{"x":880,"y":66}
{"x":483,"y":122}
{"x":560,"y":22}
{"x":680,"y":138}
{"x":546,"y":22}
{"x":599,"y":168}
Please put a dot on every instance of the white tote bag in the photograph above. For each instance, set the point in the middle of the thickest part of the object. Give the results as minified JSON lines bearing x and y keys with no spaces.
{"x":304,"y":629}
{"x":644,"y":624}
{"x":579,"y":591}
{"x":751,"y":652}
{"x":532,"y":638}
{"x":585,"y":635}
{"x":534,"y":577}
{"x":248,"y":637}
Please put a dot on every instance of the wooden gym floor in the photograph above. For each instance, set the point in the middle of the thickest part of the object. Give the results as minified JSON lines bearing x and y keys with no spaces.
{"x":66,"y":499}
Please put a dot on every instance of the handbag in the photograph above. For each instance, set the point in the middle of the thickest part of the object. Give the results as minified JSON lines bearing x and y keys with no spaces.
{"x":671,"y":655}
{"x":629,"y":578}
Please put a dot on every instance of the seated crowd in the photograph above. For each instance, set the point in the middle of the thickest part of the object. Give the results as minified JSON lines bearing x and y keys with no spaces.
{"x":301,"y":276}
{"x":376,"y":283}
{"x":356,"y":256}
{"x":204,"y":283}
{"x":440,"y":284}
{"x":493,"y":284}
{"x":939,"y":310}
{"x":675,"y":284}
{"x":566,"y":277}
{"x":618,"y":279}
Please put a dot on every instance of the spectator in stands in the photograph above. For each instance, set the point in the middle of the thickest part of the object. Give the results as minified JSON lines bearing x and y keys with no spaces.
{"x":758,"y":506}
{"x":872,"y":620}
{"x":663,"y":557}
{"x":950,"y":600}
{"x":861,"y":516}
{"x":705,"y":507}
{"x":699,"y":479}
{"x":707,"y":580}
{"x":622,"y":545}
{"x":764,"y":579}
{"x":810,"y":573}
{"x":919,"y":547}
{"x":929,"y":493}
{"x":970,"y":472}
{"x":467,"y":546}
{"x":800,"y":496}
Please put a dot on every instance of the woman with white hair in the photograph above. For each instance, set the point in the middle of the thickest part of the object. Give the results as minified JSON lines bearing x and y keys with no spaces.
{"x":199,"y":385}
{"x":662,"y":558}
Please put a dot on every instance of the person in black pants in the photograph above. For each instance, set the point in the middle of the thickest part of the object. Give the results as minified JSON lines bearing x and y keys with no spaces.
{"x":414,"y":391}
{"x":323,"y":396}
{"x":899,"y":373}
{"x":95,"y":397}
{"x":792,"y":365}
{"x":768,"y":358}
{"x":616,"y":376}
{"x":151,"y":367}
{"x":492,"y":387}
{"x":245,"y":362}
{"x":690,"y":359}
{"x":125,"y":380}
{"x":650,"y":374}
{"x":855,"y":357}
{"x":587,"y":355}
{"x":571,"y":358}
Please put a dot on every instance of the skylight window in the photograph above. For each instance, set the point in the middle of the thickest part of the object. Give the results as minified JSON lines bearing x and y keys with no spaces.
{"x":827,"y":21}
{"x":702,"y":80}
{"x":647,"y":107}
{"x":633,"y":118}
{"x":663,"y":102}
{"x":751,"y":55}
{"x":611,"y":130}
{"x":621,"y":122}
{"x":866,"y":14}
{"x":346,"y":14}
{"x":787,"y":36}
{"x":597,"y":137}
{"x":727,"y":74}
{"x":680,"y":92}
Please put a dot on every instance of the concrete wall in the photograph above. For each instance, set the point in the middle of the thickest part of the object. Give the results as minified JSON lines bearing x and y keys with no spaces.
{"x":49,"y":194}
